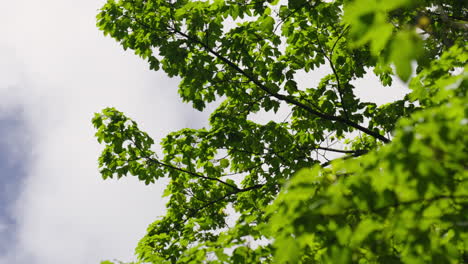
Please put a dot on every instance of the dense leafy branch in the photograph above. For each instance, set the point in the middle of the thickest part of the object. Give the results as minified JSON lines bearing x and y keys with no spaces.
{"x":281,"y":97}
{"x":395,"y":193}
{"x":332,"y":65}
{"x":291,"y":13}
{"x":398,"y":204}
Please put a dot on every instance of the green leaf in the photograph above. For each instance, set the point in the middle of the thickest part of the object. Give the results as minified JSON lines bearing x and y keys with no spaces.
{"x":224,"y":163}
{"x":266,"y":24}
{"x":405,"y":49}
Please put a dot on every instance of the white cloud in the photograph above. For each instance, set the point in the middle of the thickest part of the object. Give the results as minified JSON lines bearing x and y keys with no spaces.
{"x":3,"y":227}
{"x":59,"y":69}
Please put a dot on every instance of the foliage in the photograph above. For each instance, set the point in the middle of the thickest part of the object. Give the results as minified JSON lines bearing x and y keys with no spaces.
{"x":398,"y":195}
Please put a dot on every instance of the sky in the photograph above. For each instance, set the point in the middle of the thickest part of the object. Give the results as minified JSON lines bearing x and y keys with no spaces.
{"x":56,"y":70}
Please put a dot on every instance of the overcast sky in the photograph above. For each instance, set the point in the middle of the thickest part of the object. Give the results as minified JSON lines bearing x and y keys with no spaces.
{"x":56,"y":70}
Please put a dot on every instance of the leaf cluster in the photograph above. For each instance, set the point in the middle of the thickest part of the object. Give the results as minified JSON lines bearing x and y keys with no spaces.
{"x":338,"y":180}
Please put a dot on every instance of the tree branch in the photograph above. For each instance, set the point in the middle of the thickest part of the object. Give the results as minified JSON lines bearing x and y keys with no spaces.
{"x":293,"y":12}
{"x":193,"y":173}
{"x":332,"y":65}
{"x":210,"y":203}
{"x":354,"y":152}
{"x":281,"y":97}
{"x":465,"y":19}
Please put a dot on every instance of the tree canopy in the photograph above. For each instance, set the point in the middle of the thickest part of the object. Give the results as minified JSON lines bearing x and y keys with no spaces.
{"x":339,"y":179}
